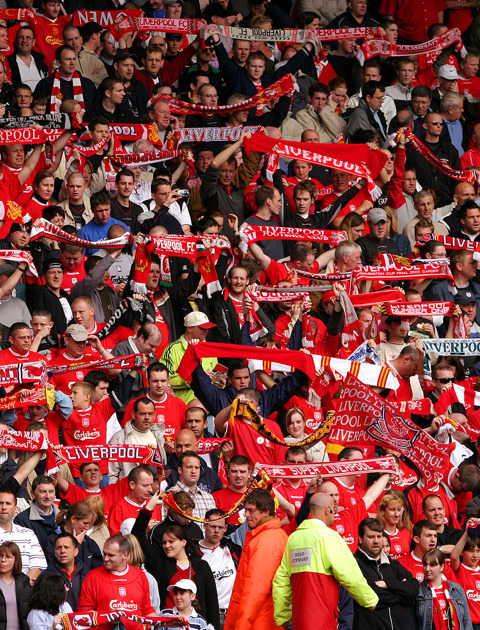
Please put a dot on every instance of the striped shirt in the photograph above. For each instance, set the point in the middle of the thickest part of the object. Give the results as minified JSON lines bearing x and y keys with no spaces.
{"x":195,"y":621}
{"x":30,"y":549}
{"x":204,"y":501}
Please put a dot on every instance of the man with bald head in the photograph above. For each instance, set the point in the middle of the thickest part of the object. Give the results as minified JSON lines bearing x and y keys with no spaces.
{"x":185,"y":441}
{"x":317,"y":561}
{"x":464,"y":191}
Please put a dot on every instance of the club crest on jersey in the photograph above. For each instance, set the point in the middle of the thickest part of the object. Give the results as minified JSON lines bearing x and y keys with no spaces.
{"x":122,"y":591}
{"x":85,"y":422}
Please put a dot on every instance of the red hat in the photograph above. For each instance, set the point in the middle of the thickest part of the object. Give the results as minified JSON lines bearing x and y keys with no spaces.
{"x":328,"y":296}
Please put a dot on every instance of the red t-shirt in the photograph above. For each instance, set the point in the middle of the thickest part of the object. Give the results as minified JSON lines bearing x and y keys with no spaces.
{"x":293,"y":495}
{"x":348,"y":496}
{"x":469,"y":87}
{"x":400,"y":543}
{"x":181,"y":574}
{"x":64,"y":382}
{"x":110,"y":494}
{"x":49,"y":36}
{"x":170,"y":411}
{"x":9,"y":357}
{"x":248,"y":442}
{"x":10,"y":173}
{"x":70,"y":278}
{"x":469,"y":580}
{"x":88,"y":427}
{"x":413,"y":564}
{"x":347,"y":521}
{"x":313,"y":415}
{"x":124,"y":510}
{"x":225,"y":499}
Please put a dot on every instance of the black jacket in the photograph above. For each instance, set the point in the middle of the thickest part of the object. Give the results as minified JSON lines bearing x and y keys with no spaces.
{"x":22,"y":591}
{"x":45,"y":87}
{"x":156,"y":533}
{"x":396,"y":606}
{"x":13,"y":63}
{"x":209,"y":480}
{"x":89,"y":553}
{"x":40,"y":296}
{"x":431,"y":177}
{"x":163,"y":569}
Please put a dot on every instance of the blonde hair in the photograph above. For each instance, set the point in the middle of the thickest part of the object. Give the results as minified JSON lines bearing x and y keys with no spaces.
{"x":399,"y":497}
{"x":96,"y":503}
{"x":136,"y":557}
{"x":393,"y":220}
{"x":85,"y":387}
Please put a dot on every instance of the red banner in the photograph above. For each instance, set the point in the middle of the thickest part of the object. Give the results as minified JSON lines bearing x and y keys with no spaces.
{"x":22,"y":373}
{"x":373,"y":47}
{"x":363,"y":417}
{"x":23,"y":440}
{"x":134,"y":453}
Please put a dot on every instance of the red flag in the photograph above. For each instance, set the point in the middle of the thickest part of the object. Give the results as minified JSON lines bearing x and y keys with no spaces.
{"x":363,"y":417}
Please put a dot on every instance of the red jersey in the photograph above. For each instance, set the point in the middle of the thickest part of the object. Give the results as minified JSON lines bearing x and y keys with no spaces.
{"x":347,"y":521}
{"x":170,"y":411}
{"x":34,"y":208}
{"x":49,"y":36}
{"x":88,"y":427}
{"x":111,"y":494}
{"x":110,"y":592}
{"x":348,"y":495}
{"x":225,"y":499}
{"x":251,"y":444}
{"x":9,"y":357}
{"x":293,"y":495}
{"x":51,"y":421}
{"x":26,"y":191}
{"x":469,"y":580}
{"x":400,"y":543}
{"x":470,"y":87}
{"x":64,"y":382}
{"x":313,"y":415}
{"x":70,"y":278}
{"x":413,"y":564}
{"x":180,"y":574}
{"x":126,"y":510}
{"x":416,"y":496}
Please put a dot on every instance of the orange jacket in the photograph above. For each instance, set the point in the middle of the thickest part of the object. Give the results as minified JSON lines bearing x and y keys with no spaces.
{"x":251,"y":604}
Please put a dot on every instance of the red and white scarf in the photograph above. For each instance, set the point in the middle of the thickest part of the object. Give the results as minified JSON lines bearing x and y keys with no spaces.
{"x":45,"y":228}
{"x":450,"y":242}
{"x":253,"y":233}
{"x":418,"y":309}
{"x":382,"y":465}
{"x":57,"y":96}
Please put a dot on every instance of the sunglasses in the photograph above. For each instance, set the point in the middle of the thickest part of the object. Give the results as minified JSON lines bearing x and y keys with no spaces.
{"x":445,"y":380}
{"x":437,"y":124}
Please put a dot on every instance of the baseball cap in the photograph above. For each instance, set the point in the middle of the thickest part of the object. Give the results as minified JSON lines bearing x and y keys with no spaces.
{"x":376,"y":215}
{"x":393,"y":319}
{"x":464,"y":298}
{"x":168,"y":2}
{"x":448,"y":72}
{"x":122,"y":55}
{"x":328,"y":296}
{"x":196,"y":318}
{"x":51,"y":263}
{"x":77,"y":332}
{"x":87,"y":30}
{"x":7,"y":270}
{"x":173,"y":36}
{"x":18,"y":227}
{"x":185,"y":584}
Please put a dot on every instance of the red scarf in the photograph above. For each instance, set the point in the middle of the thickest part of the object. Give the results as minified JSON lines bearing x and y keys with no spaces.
{"x":49,"y":230}
{"x":23,"y":440}
{"x":134,"y":453}
{"x":127,"y":362}
{"x":22,"y":373}
{"x":373,"y":47}
{"x":57,"y":97}
{"x":444,"y":614}
{"x":253,"y":233}
{"x":449,"y":241}
{"x":418,"y":309}
{"x":81,"y":621}
{"x":382,"y":465}
{"x":282,"y":87}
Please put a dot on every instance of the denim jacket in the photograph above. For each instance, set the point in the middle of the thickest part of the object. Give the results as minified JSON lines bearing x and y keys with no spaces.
{"x":425,"y":606}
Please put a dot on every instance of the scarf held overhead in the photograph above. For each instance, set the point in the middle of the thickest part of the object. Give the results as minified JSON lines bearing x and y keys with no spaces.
{"x":253,"y":233}
{"x":49,"y":230}
{"x":23,"y":440}
{"x":33,"y":372}
{"x":282,"y":87}
{"x":127,"y":362}
{"x":382,"y":465}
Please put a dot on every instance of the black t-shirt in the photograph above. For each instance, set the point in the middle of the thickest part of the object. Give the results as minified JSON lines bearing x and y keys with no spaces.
{"x":11,"y":485}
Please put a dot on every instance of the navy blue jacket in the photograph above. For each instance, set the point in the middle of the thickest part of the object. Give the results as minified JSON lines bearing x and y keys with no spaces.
{"x":74,"y":585}
{"x":209,"y":480}
{"x":215,"y":399}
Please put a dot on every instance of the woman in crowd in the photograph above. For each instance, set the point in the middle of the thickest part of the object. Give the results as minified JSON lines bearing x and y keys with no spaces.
{"x":467,"y":572}
{"x":43,"y":187}
{"x":137,"y":559}
{"x":393,"y":232}
{"x":353,"y":225}
{"x":180,"y":560}
{"x":99,"y":530}
{"x":441,"y":604}
{"x":393,"y":512}
{"x":15,"y":589}
{"x":47,"y":602}
{"x":77,"y":520}
{"x":295,"y":422}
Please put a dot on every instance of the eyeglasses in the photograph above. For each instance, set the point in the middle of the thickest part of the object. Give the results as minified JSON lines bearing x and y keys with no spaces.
{"x":437,"y":124}
{"x":445,"y":380}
